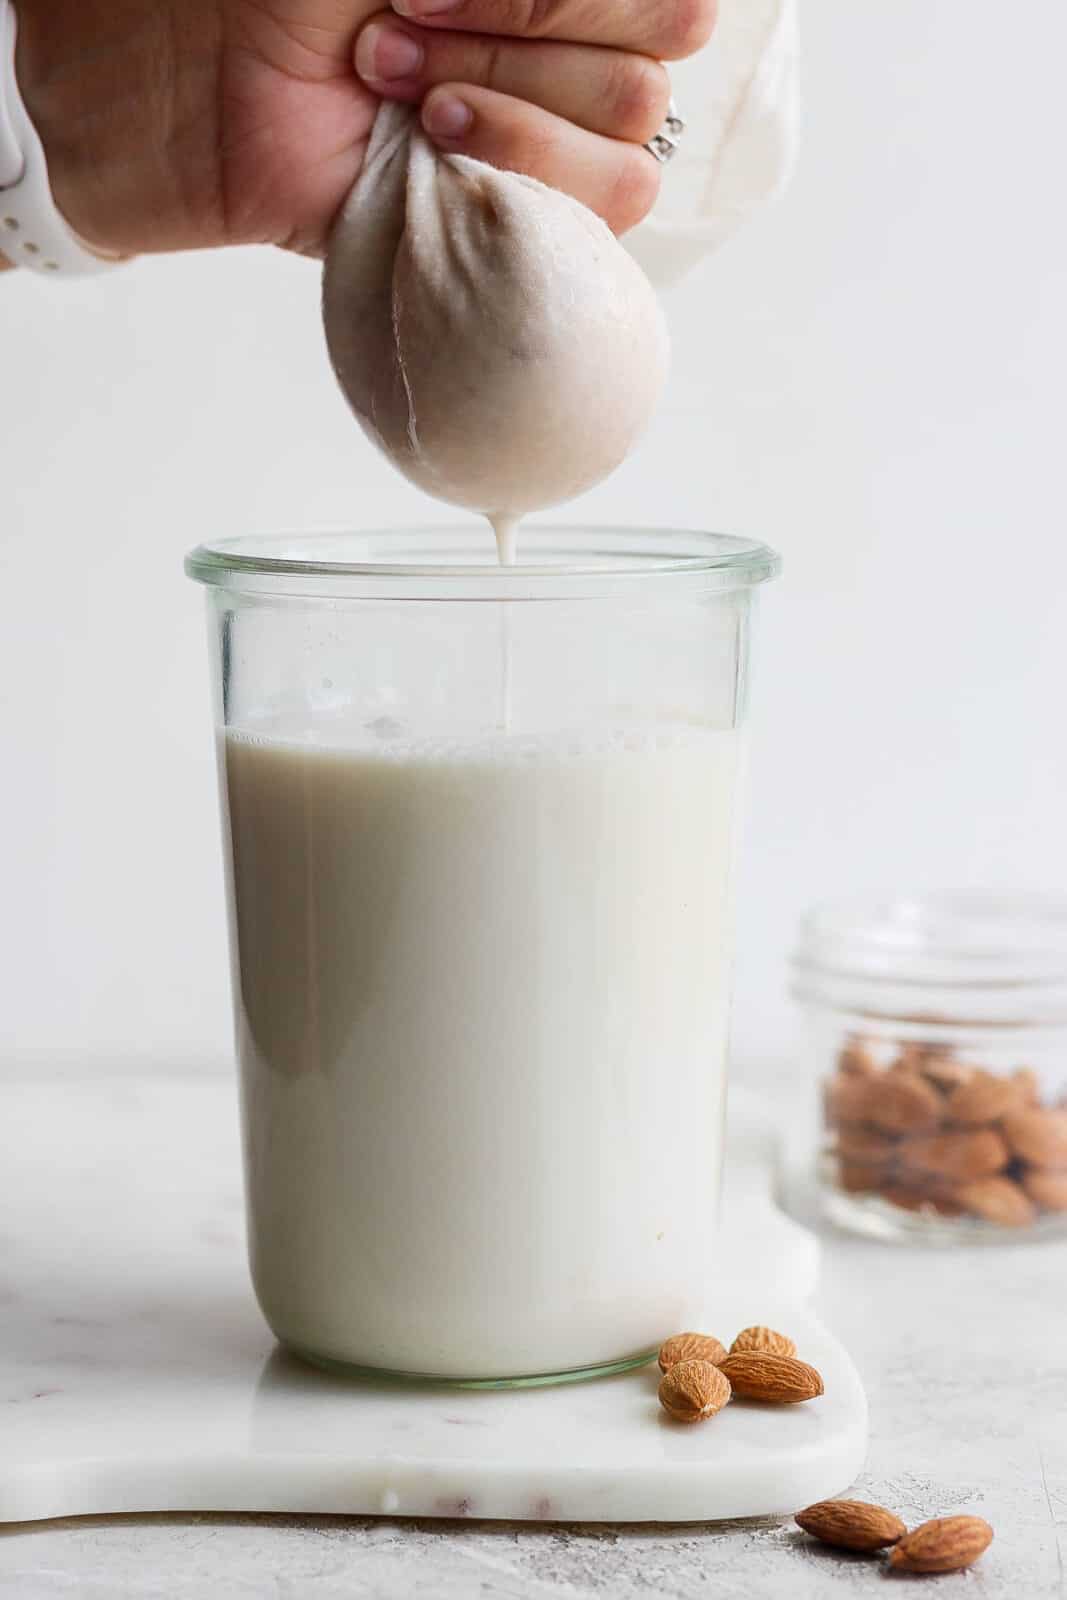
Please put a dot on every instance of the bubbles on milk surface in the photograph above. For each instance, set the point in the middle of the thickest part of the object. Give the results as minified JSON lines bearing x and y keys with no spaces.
{"x":491,"y":335}
{"x":386,"y":740}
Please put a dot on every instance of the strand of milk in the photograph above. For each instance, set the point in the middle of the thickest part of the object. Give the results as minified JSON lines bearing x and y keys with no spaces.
{"x":505,"y":526}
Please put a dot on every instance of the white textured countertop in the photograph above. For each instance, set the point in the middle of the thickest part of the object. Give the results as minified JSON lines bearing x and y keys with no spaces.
{"x":964,"y":1356}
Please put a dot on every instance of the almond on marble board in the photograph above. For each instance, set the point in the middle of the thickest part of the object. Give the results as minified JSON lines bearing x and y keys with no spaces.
{"x":766,"y":1339}
{"x":998,"y":1200}
{"x":984,"y":1099}
{"x":851,"y":1524}
{"x":901,"y":1103}
{"x":961,"y":1154}
{"x":1038,"y":1136}
{"x":690,"y":1347}
{"x":1048,"y":1190}
{"x":778,"y":1380}
{"x":692,"y":1391}
{"x":1029,"y":1086}
{"x":946,"y":1544}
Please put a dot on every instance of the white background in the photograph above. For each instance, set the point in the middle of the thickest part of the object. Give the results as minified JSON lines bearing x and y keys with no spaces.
{"x":871,"y":377}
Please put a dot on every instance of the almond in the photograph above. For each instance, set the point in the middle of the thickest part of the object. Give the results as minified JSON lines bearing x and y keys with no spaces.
{"x":947,"y":1544}
{"x":984,"y":1099}
{"x":780,"y":1380}
{"x":1039,"y":1137}
{"x":690,"y":1347}
{"x":693,"y":1390}
{"x":996,"y":1200}
{"x":759,"y":1338}
{"x":1048,"y":1190}
{"x":945,"y":1072}
{"x":919,"y":1054}
{"x":857,"y":1058}
{"x":865,"y":1147}
{"x":916,"y":1195}
{"x":1029,"y":1086}
{"x":851,"y":1524}
{"x":900,"y":1103}
{"x":847,"y":1100}
{"x":907,"y":1196}
{"x":945,"y":1203}
{"x":912,"y":1058}
{"x":857,"y":1179}
{"x":962,"y":1156}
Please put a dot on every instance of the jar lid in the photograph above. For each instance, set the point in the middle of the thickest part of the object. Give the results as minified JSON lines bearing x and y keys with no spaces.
{"x":954,"y":957}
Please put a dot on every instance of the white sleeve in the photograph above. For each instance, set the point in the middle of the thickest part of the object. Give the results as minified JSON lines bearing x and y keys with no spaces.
{"x":740,"y":104}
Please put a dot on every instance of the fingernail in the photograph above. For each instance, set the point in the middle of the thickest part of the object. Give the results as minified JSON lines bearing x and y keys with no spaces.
{"x":445,"y":116}
{"x":385,"y":54}
{"x":423,"y":8}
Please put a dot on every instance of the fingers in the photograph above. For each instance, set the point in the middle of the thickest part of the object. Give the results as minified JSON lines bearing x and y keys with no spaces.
{"x":613,"y":92}
{"x":665,"y":29}
{"x":618,"y":180}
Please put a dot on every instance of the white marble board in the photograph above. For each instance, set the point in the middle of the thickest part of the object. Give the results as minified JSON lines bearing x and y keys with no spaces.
{"x":137,"y":1375}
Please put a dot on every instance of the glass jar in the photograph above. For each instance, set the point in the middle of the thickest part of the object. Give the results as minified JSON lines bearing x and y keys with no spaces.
{"x":480,"y":827}
{"x":939,"y":1030}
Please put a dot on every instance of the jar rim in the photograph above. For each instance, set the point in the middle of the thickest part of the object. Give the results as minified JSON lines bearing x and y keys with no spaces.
{"x":458,"y":561}
{"x":970,"y":952}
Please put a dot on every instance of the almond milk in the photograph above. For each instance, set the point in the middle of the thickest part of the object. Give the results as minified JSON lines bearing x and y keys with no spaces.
{"x":482,"y":995}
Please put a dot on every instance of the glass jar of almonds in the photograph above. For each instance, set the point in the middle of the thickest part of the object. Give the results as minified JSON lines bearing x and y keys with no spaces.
{"x":939,"y":1026}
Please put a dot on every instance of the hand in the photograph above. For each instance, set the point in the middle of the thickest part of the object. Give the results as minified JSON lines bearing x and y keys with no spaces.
{"x":565,"y":90}
{"x":181,"y":124}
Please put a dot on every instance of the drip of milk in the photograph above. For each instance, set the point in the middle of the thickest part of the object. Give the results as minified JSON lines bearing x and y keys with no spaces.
{"x":505,"y":526}
{"x":482,"y":991}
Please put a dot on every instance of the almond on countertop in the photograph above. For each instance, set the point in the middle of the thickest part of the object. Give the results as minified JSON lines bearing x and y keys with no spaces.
{"x":997,"y":1199}
{"x":764,"y":1339}
{"x":984,"y":1099}
{"x":1029,"y":1086}
{"x":692,"y":1391}
{"x":958,"y":1155}
{"x":690,"y":1347}
{"x":851,"y":1524}
{"x":946,"y":1544}
{"x":778,"y":1380}
{"x":1038,"y":1136}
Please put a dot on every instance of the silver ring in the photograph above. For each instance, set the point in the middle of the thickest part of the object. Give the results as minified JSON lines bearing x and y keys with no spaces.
{"x":664,"y":144}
